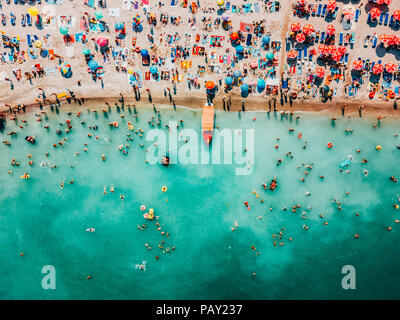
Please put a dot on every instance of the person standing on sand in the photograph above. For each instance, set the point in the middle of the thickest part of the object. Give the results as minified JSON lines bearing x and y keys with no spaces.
{"x":223,"y":103}
{"x":243,"y":106}
{"x":342,"y":108}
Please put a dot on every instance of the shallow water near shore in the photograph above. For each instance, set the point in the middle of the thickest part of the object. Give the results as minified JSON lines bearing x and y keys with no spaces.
{"x":201,"y":205}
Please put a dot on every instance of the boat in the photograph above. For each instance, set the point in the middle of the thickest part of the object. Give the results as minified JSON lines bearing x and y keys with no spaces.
{"x":208,"y":123}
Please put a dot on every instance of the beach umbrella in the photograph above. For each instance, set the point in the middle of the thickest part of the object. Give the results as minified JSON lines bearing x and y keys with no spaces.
{"x":396,"y":15}
{"x":390,"y":67}
{"x":358,"y":65}
{"x":295,"y":26}
{"x":261,"y":83}
{"x":144,"y":53}
{"x":266,"y":40}
{"x":65,"y":68}
{"x":98,"y":15}
{"x":336,"y":56}
{"x":393,"y":40}
{"x":153,"y":70}
{"x":332,"y":49}
{"x":93,"y":65}
{"x":239,"y":49}
{"x":308,"y":29}
{"x":378,"y":1}
{"x":387,"y":2}
{"x":348,"y":13}
{"x":320,"y":72}
{"x":375,"y":13}
{"x":254,"y":64}
{"x":384,"y":38}
{"x":237,"y":74}
{"x":244,"y":87}
{"x":38,"y":43}
{"x":292,"y":54}
{"x":130,"y":71}
{"x":210,"y":85}
{"x":302,"y":2}
{"x":220,"y":3}
{"x":85,"y":51}
{"x":331,"y":29}
{"x":342,"y":50}
{"x":132,"y":78}
{"x":64,"y":30}
{"x":48,"y":11}
{"x":228,"y":81}
{"x":119,"y":26}
{"x":102,"y":41}
{"x":323,"y":49}
{"x":300,"y":38}
{"x":234,"y":36}
{"x":377,"y":69}
{"x":269,"y":56}
{"x":331,"y":5}
{"x":33,"y":11}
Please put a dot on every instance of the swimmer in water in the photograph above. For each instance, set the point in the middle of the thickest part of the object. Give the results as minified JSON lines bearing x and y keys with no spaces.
{"x":62,"y":185}
{"x":112,"y":189}
{"x":122,"y":196}
{"x":105,"y":190}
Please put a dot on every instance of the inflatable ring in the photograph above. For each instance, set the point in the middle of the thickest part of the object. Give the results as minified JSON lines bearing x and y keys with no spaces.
{"x":329,"y":145}
{"x":378,"y":147}
{"x":164,"y":189}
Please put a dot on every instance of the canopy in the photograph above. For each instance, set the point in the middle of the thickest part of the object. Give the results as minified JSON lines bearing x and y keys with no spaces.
{"x":391,"y":67}
{"x":308,"y":29}
{"x":320,"y":72}
{"x":396,"y":15}
{"x":210,"y":85}
{"x":295,"y":26}
{"x":153,"y":69}
{"x":300,"y":38}
{"x":292,"y":54}
{"x":234,"y":36}
{"x":144,"y":53}
{"x":377,"y":69}
{"x":102,"y":41}
{"x":228,"y":81}
{"x":64,"y":30}
{"x":331,"y":29}
{"x":358,"y":65}
{"x":93,"y":65}
{"x":375,"y":13}
{"x":33,"y":11}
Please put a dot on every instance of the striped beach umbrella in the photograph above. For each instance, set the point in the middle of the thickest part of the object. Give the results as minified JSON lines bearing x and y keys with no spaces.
{"x":308,"y":29}
{"x":300,"y":38}
{"x":331,"y":29}
{"x":292,"y":54}
{"x":390,"y":67}
{"x":377,"y":69}
{"x":295,"y":26}
{"x":336,"y":56}
{"x":65,"y":68}
{"x":320,"y":72}
{"x":358,"y":65}
{"x":387,"y":2}
{"x":375,"y":13}
{"x":396,"y":15}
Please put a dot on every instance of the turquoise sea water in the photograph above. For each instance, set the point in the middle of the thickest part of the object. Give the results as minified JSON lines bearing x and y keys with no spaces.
{"x":203,"y":202}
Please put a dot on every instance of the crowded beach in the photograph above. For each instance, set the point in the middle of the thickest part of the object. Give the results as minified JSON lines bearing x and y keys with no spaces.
{"x":283,"y":55}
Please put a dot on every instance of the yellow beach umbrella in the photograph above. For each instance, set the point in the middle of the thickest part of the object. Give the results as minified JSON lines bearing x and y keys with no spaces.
{"x":130,"y":71}
{"x":220,"y":2}
{"x":38,"y":43}
{"x":33,"y":11}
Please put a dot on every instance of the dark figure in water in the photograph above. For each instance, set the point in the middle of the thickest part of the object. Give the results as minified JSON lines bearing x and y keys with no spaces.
{"x":165,"y":161}
{"x":290,"y":101}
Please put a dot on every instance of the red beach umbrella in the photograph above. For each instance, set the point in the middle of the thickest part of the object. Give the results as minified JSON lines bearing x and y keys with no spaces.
{"x":371,"y":94}
{"x":300,"y":38}
{"x":102,"y":41}
{"x":296,"y":26}
{"x":358,"y":65}
{"x":377,"y":69}
{"x":323,"y":49}
{"x":331,"y":29}
{"x":391,"y":67}
{"x":336,"y":56}
{"x":210,"y":85}
{"x":320,"y":72}
{"x":332,"y":48}
{"x":393,"y":40}
{"x":234,"y":36}
{"x":308,"y":29}
{"x":303,"y":2}
{"x":375,"y":13}
{"x":384,"y":38}
{"x":396,"y":15}
{"x":332,"y":5}
{"x":292,"y":54}
{"x":342,"y":50}
{"x":387,"y":2}
{"x":379,"y":1}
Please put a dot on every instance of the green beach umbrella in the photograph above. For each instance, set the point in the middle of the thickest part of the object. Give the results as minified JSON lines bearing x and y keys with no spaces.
{"x":269,"y":55}
{"x":98,"y":14}
{"x":64,"y":30}
{"x":85,"y":51}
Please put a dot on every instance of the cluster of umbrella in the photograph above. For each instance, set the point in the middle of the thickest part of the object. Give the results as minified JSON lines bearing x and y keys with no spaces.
{"x":302,"y":32}
{"x":377,"y":68}
{"x":335,"y":53}
{"x":390,"y":40}
{"x":387,"y":2}
{"x":137,"y":26}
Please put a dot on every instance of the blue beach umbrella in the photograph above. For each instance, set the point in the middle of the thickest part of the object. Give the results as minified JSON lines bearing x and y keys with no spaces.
{"x":144,"y":53}
{"x":119,"y":26}
{"x":228,"y":81}
{"x":260,"y":85}
{"x":153,"y":69}
{"x":237,"y":74}
{"x":93,"y":65}
{"x":269,"y":56}
{"x":239,"y":49}
{"x":64,"y":30}
{"x":98,"y":14}
{"x":244,"y":87}
{"x":266,"y":40}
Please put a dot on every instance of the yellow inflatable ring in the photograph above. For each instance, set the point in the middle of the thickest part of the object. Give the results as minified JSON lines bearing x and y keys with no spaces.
{"x":164,"y":189}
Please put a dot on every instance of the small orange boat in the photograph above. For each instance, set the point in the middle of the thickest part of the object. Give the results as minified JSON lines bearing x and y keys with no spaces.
{"x":208,"y":123}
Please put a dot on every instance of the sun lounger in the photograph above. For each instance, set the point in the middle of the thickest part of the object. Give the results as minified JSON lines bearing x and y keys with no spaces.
{"x":334,"y":15}
{"x":397,"y":90}
{"x":374,"y":42}
{"x":357,"y":15}
{"x":319,"y":10}
{"x":369,"y":18}
{"x":385,"y":23}
{"x":28,"y":36}
{"x":314,"y":10}
{"x":28,"y":19}
{"x":322,"y":37}
{"x":324,"y":10}
{"x":346,"y":59}
{"x":391,"y":21}
{"x":305,"y":52}
{"x":341,"y":39}
{"x":381,"y":19}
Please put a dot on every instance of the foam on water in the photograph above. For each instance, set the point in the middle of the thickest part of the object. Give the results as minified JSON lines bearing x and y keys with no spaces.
{"x":202,"y":204}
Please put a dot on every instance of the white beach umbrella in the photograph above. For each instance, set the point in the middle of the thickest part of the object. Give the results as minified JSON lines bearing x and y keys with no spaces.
{"x":49,"y":11}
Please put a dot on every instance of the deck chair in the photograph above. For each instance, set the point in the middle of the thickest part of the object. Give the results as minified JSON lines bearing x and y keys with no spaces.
{"x":357,"y":16}
{"x":391,"y":21}
{"x":374,"y":42}
{"x":340,"y":38}
{"x":381,"y":19}
{"x":29,"y":19}
{"x":29,"y":39}
{"x":385,"y":23}
{"x":322,"y":37}
{"x":305,"y":52}
{"x":319,"y":10}
{"x":314,"y":9}
{"x":334,"y":15}
{"x":324,"y":10}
